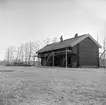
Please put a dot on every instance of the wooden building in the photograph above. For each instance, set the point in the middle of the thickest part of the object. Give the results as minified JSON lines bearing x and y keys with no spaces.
{"x":74,"y":52}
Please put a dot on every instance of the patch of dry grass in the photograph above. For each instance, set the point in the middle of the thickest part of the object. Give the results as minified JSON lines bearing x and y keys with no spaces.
{"x":52,"y":89}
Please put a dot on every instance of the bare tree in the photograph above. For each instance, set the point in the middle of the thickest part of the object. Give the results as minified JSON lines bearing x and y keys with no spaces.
{"x":54,"y":40}
{"x":26,"y":52}
{"x":20,"y":53}
{"x":104,"y":47}
{"x":9,"y":54}
{"x":30,"y":45}
{"x":35,"y":47}
{"x":47,"y":41}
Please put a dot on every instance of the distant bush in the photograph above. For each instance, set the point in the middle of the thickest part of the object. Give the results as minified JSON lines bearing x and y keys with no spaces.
{"x":18,"y":64}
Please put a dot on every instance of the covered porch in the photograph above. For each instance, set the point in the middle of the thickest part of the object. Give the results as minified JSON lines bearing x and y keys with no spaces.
{"x":65,"y":58}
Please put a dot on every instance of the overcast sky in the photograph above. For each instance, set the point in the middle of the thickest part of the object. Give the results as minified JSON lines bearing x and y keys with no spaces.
{"x":30,"y":20}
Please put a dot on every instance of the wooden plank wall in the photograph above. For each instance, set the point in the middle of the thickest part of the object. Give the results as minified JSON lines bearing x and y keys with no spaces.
{"x":88,"y":53}
{"x":75,"y":58}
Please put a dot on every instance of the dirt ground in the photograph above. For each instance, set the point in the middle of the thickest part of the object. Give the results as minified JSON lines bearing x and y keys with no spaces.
{"x":52,"y":86}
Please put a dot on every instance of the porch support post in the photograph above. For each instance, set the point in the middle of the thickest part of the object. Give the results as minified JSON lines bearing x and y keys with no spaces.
{"x":53,"y":59}
{"x":66,"y":57}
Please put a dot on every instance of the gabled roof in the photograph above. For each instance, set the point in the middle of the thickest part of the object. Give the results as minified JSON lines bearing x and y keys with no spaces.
{"x":67,"y":43}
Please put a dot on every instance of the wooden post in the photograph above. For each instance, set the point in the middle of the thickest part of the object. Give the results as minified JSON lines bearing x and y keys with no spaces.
{"x":66,"y":57}
{"x":53,"y":59}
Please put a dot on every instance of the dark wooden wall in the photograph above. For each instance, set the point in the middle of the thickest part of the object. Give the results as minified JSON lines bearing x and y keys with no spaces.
{"x":88,"y":53}
{"x":75,"y":58}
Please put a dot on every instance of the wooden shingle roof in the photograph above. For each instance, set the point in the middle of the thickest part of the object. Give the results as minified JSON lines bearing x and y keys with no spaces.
{"x":67,"y":43}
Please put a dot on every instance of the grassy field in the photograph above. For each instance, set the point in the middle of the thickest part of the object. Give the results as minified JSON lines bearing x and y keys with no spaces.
{"x":52,"y":86}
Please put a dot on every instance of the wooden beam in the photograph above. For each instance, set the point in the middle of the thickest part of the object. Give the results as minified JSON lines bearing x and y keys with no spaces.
{"x":66,"y":57}
{"x":53,"y":59}
{"x":56,"y":53}
{"x":63,"y":51}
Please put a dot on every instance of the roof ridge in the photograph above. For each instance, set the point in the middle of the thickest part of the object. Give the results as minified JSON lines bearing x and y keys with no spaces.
{"x":74,"y":37}
{"x":66,"y":39}
{"x":67,"y":42}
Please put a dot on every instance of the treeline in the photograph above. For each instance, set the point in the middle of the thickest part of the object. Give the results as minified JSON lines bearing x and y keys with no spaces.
{"x":25,"y":54}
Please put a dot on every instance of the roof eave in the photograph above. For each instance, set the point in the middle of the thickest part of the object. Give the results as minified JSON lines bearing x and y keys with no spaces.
{"x":94,"y":41}
{"x":78,"y":41}
{"x":88,"y":35}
